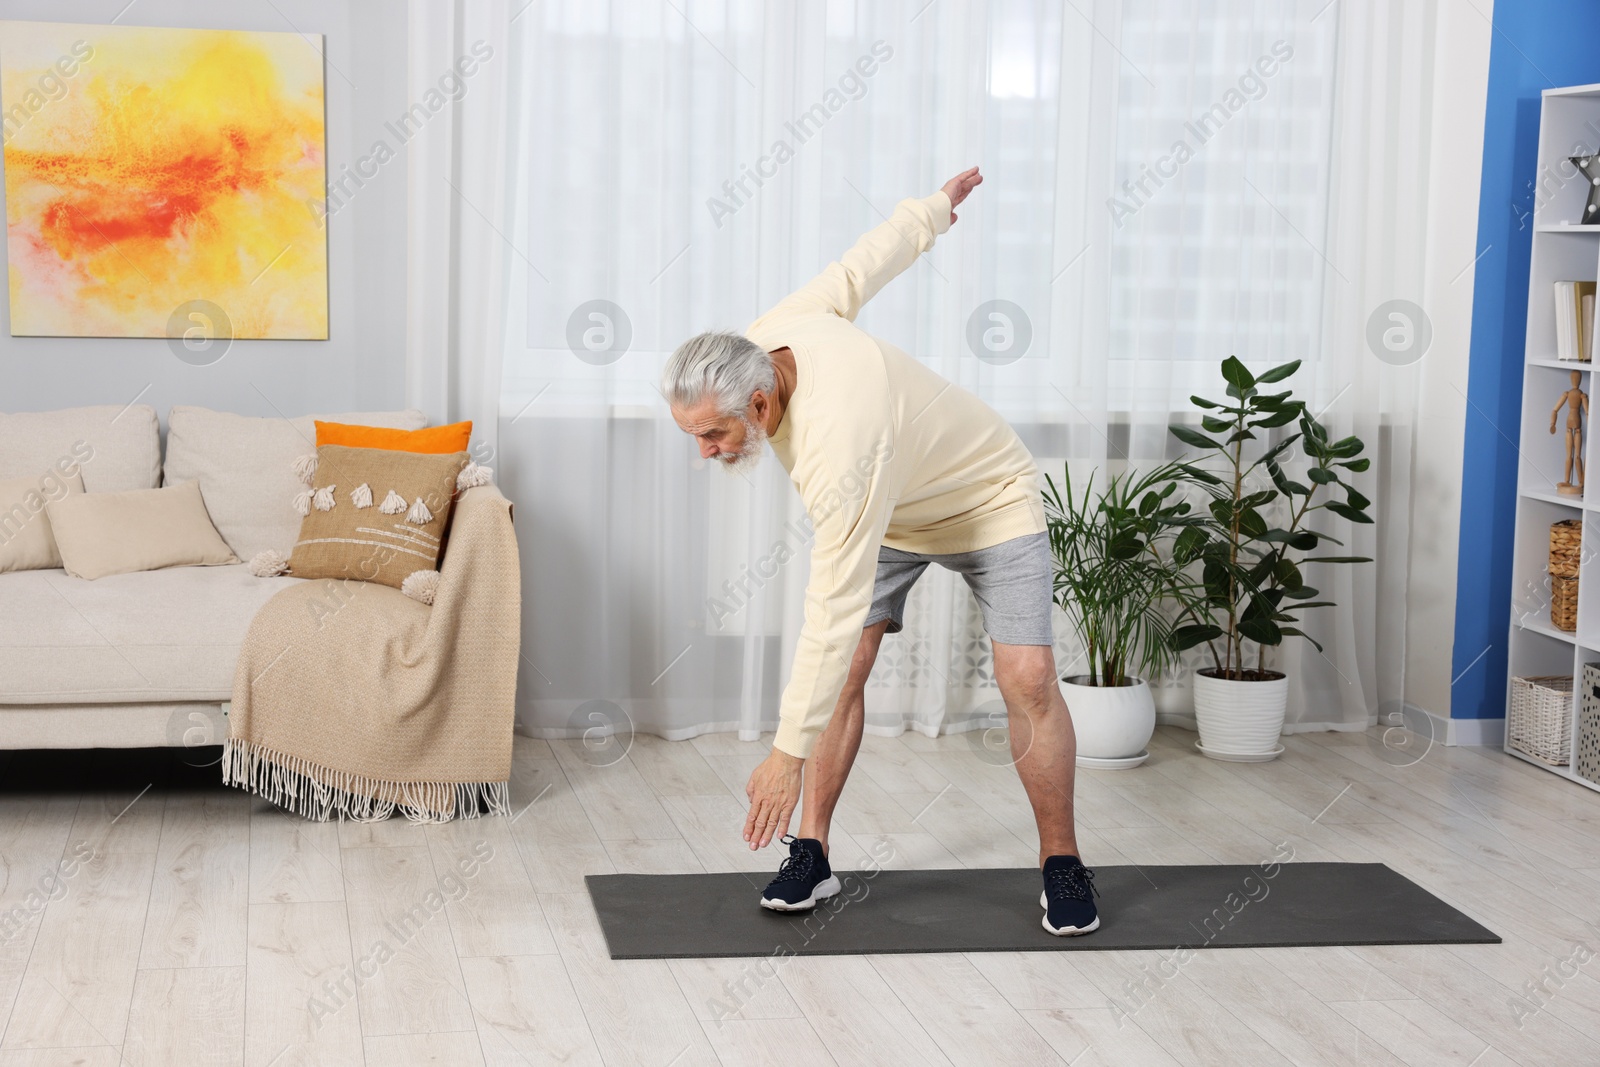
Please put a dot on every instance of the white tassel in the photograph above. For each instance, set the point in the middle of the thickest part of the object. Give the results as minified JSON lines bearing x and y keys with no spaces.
{"x":472,"y":476}
{"x":393,"y":504}
{"x":361,"y":496}
{"x":302,"y":501}
{"x":268,"y":564}
{"x":421,"y":585}
{"x":305,"y":467}
{"x":419,"y":513}
{"x":323,"y":500}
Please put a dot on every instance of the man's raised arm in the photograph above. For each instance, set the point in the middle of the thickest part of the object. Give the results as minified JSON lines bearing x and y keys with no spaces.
{"x":881,"y":253}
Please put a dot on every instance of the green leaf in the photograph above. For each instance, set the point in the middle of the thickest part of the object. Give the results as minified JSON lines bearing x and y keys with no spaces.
{"x":1357,"y":465}
{"x":1188,"y":544}
{"x":1237,"y":374}
{"x":1338,"y":559}
{"x":1255,"y":500}
{"x":1202,"y":402}
{"x":1185,"y":637}
{"x":1242,"y":435}
{"x":1281,"y":417}
{"x":1278,"y":373}
{"x":1348,"y":512}
{"x":1194,"y":438}
{"x":1301,"y":592}
{"x":1322,"y":476}
{"x":1212,"y":424}
{"x":1251,"y":524}
{"x":1346,"y":447}
{"x":1262,"y":629}
{"x":1280,"y":448}
{"x":1198,"y":474}
{"x":1355,"y":499}
{"x":1292,"y":631}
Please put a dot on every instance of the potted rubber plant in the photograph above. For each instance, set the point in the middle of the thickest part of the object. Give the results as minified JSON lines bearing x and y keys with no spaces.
{"x":1249,"y":546}
{"x":1115,"y":574}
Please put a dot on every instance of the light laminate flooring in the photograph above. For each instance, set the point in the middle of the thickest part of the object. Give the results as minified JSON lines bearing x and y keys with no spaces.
{"x":194,"y":924}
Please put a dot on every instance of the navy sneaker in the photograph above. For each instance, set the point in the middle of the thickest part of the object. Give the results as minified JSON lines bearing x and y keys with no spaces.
{"x":1068,"y":897}
{"x":804,"y":879}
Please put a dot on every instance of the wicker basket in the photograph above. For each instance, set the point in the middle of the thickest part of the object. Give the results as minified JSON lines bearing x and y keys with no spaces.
{"x":1566,"y":545}
{"x":1540,"y":722}
{"x":1564,"y":603}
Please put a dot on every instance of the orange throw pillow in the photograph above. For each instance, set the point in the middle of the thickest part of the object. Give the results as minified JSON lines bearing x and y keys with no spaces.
{"x":434,"y":441}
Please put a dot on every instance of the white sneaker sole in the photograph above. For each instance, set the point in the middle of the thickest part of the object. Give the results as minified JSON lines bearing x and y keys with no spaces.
{"x":829,"y":887}
{"x":1064,"y":931}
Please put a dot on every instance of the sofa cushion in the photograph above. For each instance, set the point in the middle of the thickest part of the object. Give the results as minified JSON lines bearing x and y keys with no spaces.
{"x":118,"y":447}
{"x":435,"y":440}
{"x":26,"y":540}
{"x":244,"y":468}
{"x":100,"y":534}
{"x":151,"y":636}
{"x":396,"y":529}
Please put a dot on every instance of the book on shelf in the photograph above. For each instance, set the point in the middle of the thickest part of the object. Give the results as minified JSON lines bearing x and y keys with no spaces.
{"x":1575,"y":305}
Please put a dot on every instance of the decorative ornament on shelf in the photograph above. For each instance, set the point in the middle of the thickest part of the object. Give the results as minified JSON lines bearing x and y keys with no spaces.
{"x":1589,"y":167}
{"x":1576,"y":401}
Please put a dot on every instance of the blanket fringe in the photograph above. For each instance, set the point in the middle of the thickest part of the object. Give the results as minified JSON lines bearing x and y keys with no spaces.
{"x":320,"y":793}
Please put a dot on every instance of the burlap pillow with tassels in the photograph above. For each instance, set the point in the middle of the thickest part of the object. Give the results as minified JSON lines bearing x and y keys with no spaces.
{"x":374,"y":515}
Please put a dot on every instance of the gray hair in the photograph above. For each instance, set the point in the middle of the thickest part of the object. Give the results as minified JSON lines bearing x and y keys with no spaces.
{"x":727,"y":367}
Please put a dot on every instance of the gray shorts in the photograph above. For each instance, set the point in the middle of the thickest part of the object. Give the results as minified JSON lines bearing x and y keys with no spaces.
{"x":1011,"y":580}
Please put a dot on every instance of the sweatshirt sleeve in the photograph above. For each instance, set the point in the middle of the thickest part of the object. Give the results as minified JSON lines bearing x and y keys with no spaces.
{"x":881,"y":254}
{"x":850,"y":515}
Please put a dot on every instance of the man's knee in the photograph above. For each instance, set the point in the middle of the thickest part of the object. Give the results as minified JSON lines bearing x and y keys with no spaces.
{"x":1031,"y":684}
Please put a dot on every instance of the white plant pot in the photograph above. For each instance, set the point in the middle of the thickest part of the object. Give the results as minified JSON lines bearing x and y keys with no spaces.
{"x":1113,"y":722}
{"x":1239,"y":718}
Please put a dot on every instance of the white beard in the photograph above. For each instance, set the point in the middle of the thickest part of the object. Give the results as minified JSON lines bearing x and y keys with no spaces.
{"x":749,"y":454}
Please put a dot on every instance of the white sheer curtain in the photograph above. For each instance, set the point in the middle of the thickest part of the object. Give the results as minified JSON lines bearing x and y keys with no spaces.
{"x":668,"y":167}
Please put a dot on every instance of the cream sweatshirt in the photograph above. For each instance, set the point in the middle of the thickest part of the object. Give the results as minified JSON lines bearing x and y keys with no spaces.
{"x":883,"y":452}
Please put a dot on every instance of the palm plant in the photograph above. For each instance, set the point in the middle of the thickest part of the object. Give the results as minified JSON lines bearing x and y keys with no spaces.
{"x":1250,"y":568}
{"x":1114,"y":568}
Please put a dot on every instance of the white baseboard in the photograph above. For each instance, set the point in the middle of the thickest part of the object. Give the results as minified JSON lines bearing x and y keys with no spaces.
{"x":1472,"y":733}
{"x":1485,"y":733}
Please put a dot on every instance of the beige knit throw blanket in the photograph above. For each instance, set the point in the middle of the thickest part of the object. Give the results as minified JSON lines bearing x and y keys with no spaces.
{"x":352,"y":700}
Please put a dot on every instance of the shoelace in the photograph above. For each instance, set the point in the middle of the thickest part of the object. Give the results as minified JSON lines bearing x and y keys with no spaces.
{"x":1073,"y":883}
{"x":798,"y":865}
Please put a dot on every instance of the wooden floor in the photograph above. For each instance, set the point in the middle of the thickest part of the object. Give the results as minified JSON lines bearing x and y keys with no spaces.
{"x":194,"y":925}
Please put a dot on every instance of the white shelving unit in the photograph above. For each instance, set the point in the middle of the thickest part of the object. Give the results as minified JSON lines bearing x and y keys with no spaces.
{"x":1562,"y":251}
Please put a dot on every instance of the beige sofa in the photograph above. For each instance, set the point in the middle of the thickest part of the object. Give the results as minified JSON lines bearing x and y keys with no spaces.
{"x":146,"y":659}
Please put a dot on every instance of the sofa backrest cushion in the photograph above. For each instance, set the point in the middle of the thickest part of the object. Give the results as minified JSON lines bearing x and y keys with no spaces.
{"x":244,"y":467}
{"x":117,"y":447}
{"x":26,"y":542}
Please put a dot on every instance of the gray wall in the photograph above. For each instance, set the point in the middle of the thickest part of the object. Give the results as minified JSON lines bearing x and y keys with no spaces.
{"x":361,"y":365}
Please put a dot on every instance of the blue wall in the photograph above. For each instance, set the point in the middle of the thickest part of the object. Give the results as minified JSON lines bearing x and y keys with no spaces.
{"x":1537,"y":45}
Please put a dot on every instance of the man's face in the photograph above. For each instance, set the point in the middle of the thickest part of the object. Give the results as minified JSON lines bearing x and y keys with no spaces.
{"x":733,"y":440}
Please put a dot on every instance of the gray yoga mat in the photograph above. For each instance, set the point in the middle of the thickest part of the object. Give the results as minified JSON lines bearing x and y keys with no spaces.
{"x":686,"y":916}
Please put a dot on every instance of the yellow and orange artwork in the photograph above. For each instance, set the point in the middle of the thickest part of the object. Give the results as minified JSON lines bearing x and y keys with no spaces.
{"x":149,"y":169}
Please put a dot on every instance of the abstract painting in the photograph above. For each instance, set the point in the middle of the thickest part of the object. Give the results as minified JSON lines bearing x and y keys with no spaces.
{"x":151,"y":171}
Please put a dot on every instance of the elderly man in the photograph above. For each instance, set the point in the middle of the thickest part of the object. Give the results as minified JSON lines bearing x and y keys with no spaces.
{"x":898,"y":469}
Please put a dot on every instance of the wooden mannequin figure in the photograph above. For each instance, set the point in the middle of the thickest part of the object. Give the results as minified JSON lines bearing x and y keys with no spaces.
{"x":1576,"y":401}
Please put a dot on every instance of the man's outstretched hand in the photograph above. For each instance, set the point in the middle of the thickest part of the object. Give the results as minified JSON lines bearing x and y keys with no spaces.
{"x":958,"y":187}
{"x":774,"y":790}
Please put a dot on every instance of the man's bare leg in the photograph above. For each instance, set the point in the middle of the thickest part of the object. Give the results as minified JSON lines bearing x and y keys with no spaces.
{"x":1043,"y":743}
{"x":836,"y":749}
